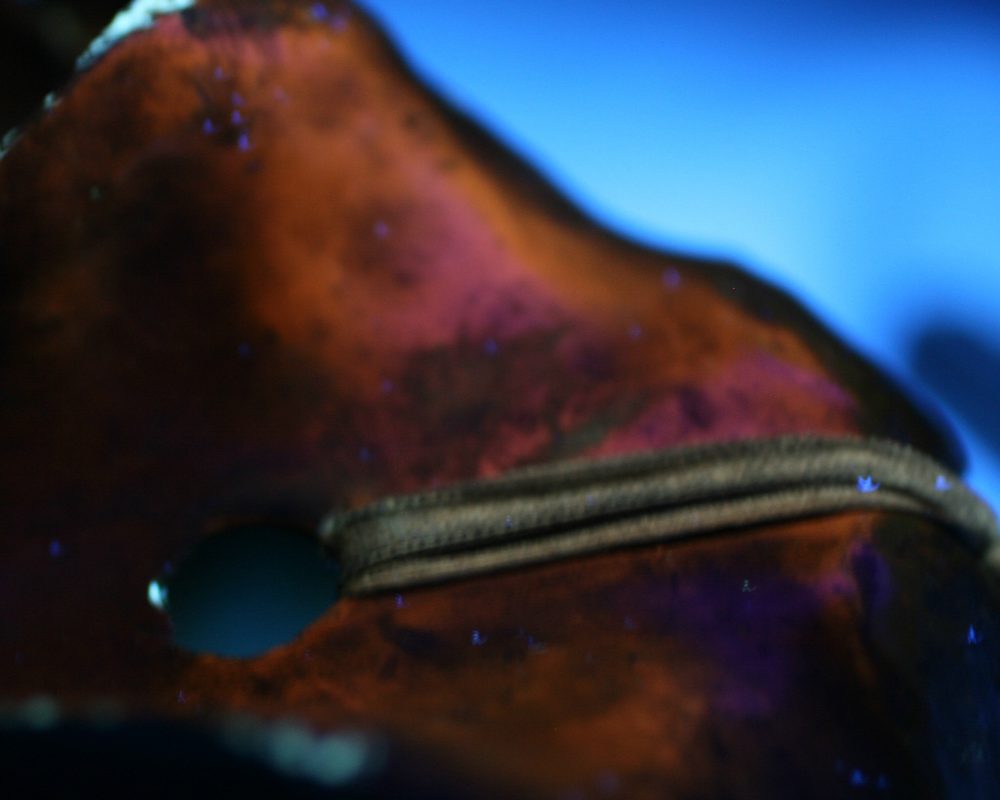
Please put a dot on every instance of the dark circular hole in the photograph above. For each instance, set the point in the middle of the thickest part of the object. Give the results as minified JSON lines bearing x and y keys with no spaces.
{"x":245,"y":590}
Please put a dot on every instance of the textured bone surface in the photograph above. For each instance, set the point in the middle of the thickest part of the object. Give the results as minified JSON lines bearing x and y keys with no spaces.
{"x":253,"y":269}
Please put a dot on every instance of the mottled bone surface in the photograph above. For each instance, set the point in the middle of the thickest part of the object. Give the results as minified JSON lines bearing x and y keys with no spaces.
{"x":250,"y":268}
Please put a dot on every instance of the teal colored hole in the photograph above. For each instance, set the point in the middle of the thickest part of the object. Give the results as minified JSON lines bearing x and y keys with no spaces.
{"x":246,"y":590}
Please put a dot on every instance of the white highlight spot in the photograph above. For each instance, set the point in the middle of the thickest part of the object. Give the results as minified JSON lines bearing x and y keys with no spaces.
{"x":136,"y":17}
{"x":157,"y":594}
{"x":39,"y":712}
{"x":333,"y":759}
{"x":8,"y":141}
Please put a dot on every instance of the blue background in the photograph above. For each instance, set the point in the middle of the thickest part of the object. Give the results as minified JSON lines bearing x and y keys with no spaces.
{"x":849,"y":152}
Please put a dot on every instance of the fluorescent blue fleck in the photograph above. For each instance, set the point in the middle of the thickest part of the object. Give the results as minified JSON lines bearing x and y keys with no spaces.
{"x":608,"y":782}
{"x":533,"y":644}
{"x":400,"y":602}
{"x":244,"y":141}
{"x":477,"y":639}
{"x":319,"y":12}
{"x":973,"y":636}
{"x":365,"y":454}
{"x":671,"y":279}
{"x":867,"y":484}
{"x":942,"y":484}
{"x":236,"y":117}
{"x":244,"y":350}
{"x":858,"y":778}
{"x":508,"y":522}
{"x":882,"y":782}
{"x":208,"y":127}
{"x":339,"y":21}
{"x":237,"y":99}
{"x":490,"y":347}
{"x":56,"y":549}
{"x":381,"y":229}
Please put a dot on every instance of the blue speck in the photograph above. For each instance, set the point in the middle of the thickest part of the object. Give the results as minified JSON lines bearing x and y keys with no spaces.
{"x":477,"y":639}
{"x":244,"y":141}
{"x":400,"y":602}
{"x":208,"y":127}
{"x":321,"y":13}
{"x":671,"y":279}
{"x":380,"y":229}
{"x":635,"y":331}
{"x":339,"y":21}
{"x":237,"y":99}
{"x":942,"y":484}
{"x":387,"y":386}
{"x":244,"y":350}
{"x":56,"y":549}
{"x":608,"y":782}
{"x":858,"y":778}
{"x":236,"y":117}
{"x":219,"y":74}
{"x":490,"y":347}
{"x":973,"y":636}
{"x":508,"y":522}
{"x":365,"y":454}
{"x":867,"y":484}
{"x":882,"y":782}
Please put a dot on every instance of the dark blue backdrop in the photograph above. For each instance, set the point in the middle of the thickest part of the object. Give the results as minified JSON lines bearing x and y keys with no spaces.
{"x":849,"y":151}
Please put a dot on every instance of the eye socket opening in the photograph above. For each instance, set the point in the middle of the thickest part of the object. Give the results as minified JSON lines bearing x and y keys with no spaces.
{"x":245,"y":588}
